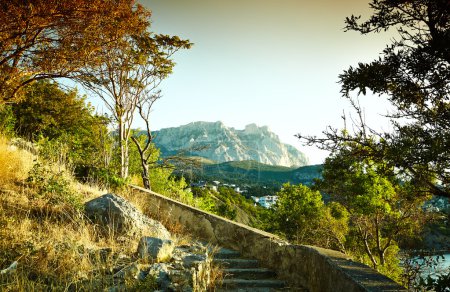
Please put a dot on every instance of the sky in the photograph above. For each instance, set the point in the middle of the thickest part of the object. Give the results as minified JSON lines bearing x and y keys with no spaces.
{"x":273,"y":62}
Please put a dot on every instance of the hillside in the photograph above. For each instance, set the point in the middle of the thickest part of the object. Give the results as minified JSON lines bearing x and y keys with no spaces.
{"x":255,"y":173}
{"x":217,"y":142}
{"x":51,"y":238}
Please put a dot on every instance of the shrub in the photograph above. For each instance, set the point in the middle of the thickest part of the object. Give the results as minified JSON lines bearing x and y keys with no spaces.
{"x":53,"y":186}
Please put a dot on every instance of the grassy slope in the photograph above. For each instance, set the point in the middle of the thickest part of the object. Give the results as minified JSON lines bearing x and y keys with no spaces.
{"x":46,"y":233}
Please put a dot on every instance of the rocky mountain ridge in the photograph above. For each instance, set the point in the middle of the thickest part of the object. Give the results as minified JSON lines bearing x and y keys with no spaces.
{"x":217,"y":142}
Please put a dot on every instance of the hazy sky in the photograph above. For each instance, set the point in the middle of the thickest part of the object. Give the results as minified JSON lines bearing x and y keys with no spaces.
{"x":271,"y":62}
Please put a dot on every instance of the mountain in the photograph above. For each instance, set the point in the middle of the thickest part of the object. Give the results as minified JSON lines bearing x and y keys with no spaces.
{"x":220,"y":143}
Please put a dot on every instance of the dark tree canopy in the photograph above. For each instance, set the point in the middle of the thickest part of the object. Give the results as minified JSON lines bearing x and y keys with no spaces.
{"x":413,"y":73}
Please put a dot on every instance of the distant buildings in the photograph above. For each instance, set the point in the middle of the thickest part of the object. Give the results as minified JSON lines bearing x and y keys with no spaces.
{"x":266,"y":201}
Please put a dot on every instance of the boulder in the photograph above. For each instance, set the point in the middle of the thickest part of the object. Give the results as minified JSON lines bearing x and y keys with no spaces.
{"x":155,"y":248}
{"x":118,"y":215}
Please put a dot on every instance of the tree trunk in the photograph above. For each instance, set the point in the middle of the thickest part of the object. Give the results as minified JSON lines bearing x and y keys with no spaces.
{"x":377,"y":234}
{"x":145,"y":178}
{"x":123,"y":150}
{"x":364,"y":238}
{"x":144,"y":164}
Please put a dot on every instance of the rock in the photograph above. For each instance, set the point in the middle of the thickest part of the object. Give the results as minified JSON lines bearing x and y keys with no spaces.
{"x":191,"y":260}
{"x":132,"y":271}
{"x":220,"y":143}
{"x":118,"y":215}
{"x":11,"y":269}
{"x":161,"y":274}
{"x":155,"y":248}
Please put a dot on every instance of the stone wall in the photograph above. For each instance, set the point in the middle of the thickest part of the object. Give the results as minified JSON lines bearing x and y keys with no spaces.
{"x":314,"y":268}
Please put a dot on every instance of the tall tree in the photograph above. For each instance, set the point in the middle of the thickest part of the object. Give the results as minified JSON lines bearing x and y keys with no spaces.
{"x":132,"y":70}
{"x":42,"y":39}
{"x":413,"y":73}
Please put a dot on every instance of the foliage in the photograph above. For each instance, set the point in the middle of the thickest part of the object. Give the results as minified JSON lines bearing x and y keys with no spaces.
{"x":7,"y":120}
{"x":15,"y":163}
{"x":50,"y":39}
{"x":413,"y":73}
{"x":417,"y":273}
{"x":227,"y":203}
{"x":53,"y":187}
{"x":383,"y":210}
{"x":131,"y":72}
{"x":160,"y":174}
{"x":54,"y":246}
{"x":258,"y":178}
{"x":439,"y":284}
{"x":298,"y":212}
{"x":301,"y":216}
{"x":66,"y":128}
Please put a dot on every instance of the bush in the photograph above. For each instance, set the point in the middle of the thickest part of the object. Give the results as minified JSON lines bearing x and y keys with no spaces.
{"x":53,"y":187}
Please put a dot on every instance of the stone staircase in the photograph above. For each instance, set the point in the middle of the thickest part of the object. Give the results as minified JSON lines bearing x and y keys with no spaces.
{"x":245,"y":274}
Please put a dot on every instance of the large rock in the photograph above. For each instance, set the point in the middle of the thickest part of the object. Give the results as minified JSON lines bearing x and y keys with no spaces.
{"x":118,"y":215}
{"x":155,"y":248}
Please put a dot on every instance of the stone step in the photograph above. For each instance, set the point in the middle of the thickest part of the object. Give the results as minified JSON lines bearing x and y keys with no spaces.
{"x":236,"y":263}
{"x":244,"y":283}
{"x":249,"y":274}
{"x":225,"y":253}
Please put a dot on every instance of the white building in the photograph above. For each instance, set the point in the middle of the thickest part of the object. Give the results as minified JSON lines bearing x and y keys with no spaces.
{"x":267,"y":201}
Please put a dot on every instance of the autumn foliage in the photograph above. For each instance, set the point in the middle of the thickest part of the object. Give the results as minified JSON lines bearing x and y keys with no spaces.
{"x":42,"y":39}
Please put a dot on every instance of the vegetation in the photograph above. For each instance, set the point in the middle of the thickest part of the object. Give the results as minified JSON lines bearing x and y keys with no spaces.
{"x":63,"y":124}
{"x":47,"y":243}
{"x":128,"y":77}
{"x":258,"y":178}
{"x":383,"y":210}
{"x":375,"y":183}
{"x":383,"y":178}
{"x":53,"y":39}
{"x":413,"y":74}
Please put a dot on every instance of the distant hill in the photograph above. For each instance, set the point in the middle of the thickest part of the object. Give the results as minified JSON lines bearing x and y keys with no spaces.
{"x":253,"y":173}
{"x":219,"y":143}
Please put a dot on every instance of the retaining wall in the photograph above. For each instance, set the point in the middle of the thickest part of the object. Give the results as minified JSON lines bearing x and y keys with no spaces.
{"x":314,"y":268}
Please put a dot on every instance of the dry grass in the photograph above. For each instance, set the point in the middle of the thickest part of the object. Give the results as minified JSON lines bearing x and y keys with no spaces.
{"x":15,"y":164}
{"x":53,"y":248}
{"x":54,"y":245}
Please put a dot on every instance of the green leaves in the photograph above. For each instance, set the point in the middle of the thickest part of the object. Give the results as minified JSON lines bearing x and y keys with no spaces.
{"x":413,"y":72}
{"x":298,"y":212}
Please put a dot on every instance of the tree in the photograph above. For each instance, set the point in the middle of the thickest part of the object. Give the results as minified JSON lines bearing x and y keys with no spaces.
{"x":298,"y":212}
{"x":61,"y":119}
{"x":413,"y":73}
{"x":41,"y":39}
{"x":132,"y":69}
{"x":383,"y":210}
{"x":143,"y":141}
{"x":145,"y":149}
